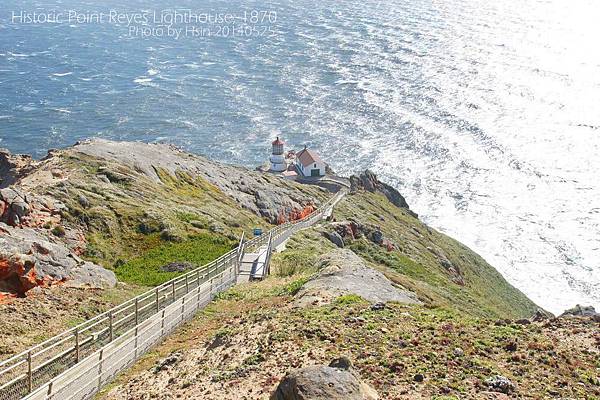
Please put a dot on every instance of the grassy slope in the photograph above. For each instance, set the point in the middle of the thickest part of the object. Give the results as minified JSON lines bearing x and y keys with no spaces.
{"x":416,"y":264}
{"x":136,"y":225}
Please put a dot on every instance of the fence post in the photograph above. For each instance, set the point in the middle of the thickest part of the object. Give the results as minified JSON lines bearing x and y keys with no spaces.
{"x":199,"y":293}
{"x":100,"y":369}
{"x":187,"y":285}
{"x":162,"y":323}
{"x":77,"y":344}
{"x":29,"y":373}
{"x":182,"y":308}
{"x":240,"y":252}
{"x":136,"y":311}
{"x":268,"y":256}
{"x":157,"y":300}
{"x":110,"y":325}
{"x":173,"y":290}
{"x":136,"y":343}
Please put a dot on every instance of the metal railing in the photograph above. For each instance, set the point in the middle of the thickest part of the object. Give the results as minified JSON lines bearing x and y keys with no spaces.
{"x":78,"y":362}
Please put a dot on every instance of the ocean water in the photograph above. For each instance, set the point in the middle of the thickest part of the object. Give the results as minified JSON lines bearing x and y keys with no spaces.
{"x":486,"y":115}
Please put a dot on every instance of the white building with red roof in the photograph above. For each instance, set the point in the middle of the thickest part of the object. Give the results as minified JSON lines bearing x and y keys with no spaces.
{"x":308,"y":163}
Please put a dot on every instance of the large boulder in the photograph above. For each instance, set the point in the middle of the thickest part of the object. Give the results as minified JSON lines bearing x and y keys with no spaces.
{"x":343,"y":272}
{"x":335,"y":238}
{"x":14,"y":206}
{"x":335,"y":382}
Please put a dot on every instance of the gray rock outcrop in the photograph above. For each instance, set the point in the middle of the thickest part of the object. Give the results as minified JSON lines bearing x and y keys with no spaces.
{"x":335,"y":238}
{"x":13,"y":206}
{"x":500,"y":384}
{"x":368,"y":181}
{"x":264,"y":194}
{"x":343,"y":272}
{"x":580,"y":311}
{"x":29,"y":259}
{"x":12,"y":166}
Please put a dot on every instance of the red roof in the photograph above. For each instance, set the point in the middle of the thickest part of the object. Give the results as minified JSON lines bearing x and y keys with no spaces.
{"x":278,"y":141}
{"x":307,"y":157}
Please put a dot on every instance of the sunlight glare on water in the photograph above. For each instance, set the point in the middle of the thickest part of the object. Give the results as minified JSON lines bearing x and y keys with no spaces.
{"x":486,"y":115}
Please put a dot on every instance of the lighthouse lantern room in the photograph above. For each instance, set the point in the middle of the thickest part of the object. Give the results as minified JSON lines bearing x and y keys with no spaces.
{"x":277,"y":158}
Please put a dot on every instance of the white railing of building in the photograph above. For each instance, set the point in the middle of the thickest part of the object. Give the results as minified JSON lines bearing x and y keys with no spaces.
{"x":78,"y":362}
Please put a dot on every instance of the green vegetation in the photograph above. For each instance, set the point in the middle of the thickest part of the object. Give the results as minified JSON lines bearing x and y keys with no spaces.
{"x":439,"y":269}
{"x":135,"y":224}
{"x":454,"y":352}
{"x":293,"y":287}
{"x":197,"y":250}
{"x":416,"y":263}
{"x":452,"y":341}
{"x":58,"y":231}
{"x":301,"y":254}
{"x":349,"y":299}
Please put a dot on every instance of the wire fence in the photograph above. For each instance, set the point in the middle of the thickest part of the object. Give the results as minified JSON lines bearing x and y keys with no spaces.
{"x":78,"y":362}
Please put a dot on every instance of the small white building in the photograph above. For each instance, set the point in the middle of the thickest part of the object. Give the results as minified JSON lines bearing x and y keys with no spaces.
{"x":309,"y":163}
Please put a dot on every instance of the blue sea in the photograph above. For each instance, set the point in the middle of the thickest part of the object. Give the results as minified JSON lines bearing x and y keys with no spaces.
{"x":485,"y":115}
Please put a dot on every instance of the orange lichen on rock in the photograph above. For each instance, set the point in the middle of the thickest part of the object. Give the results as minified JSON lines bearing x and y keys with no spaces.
{"x":17,"y":277}
{"x":295,"y":215}
{"x":30,"y":280}
{"x":5,"y":268}
{"x":281,"y":218}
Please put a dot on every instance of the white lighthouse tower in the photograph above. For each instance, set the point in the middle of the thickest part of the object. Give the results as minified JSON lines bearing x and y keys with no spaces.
{"x":277,"y":158}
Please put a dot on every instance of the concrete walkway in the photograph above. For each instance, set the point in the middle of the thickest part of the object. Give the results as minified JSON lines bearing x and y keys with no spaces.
{"x":253,"y":265}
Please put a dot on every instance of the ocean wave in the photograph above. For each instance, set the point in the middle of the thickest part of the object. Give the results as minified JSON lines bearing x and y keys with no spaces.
{"x":27,"y":108}
{"x":61,"y":74}
{"x":179,"y":123}
{"x":347,"y":82}
{"x":152,"y":72}
{"x":142,"y":80}
{"x":60,"y":110}
{"x":112,"y":91}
